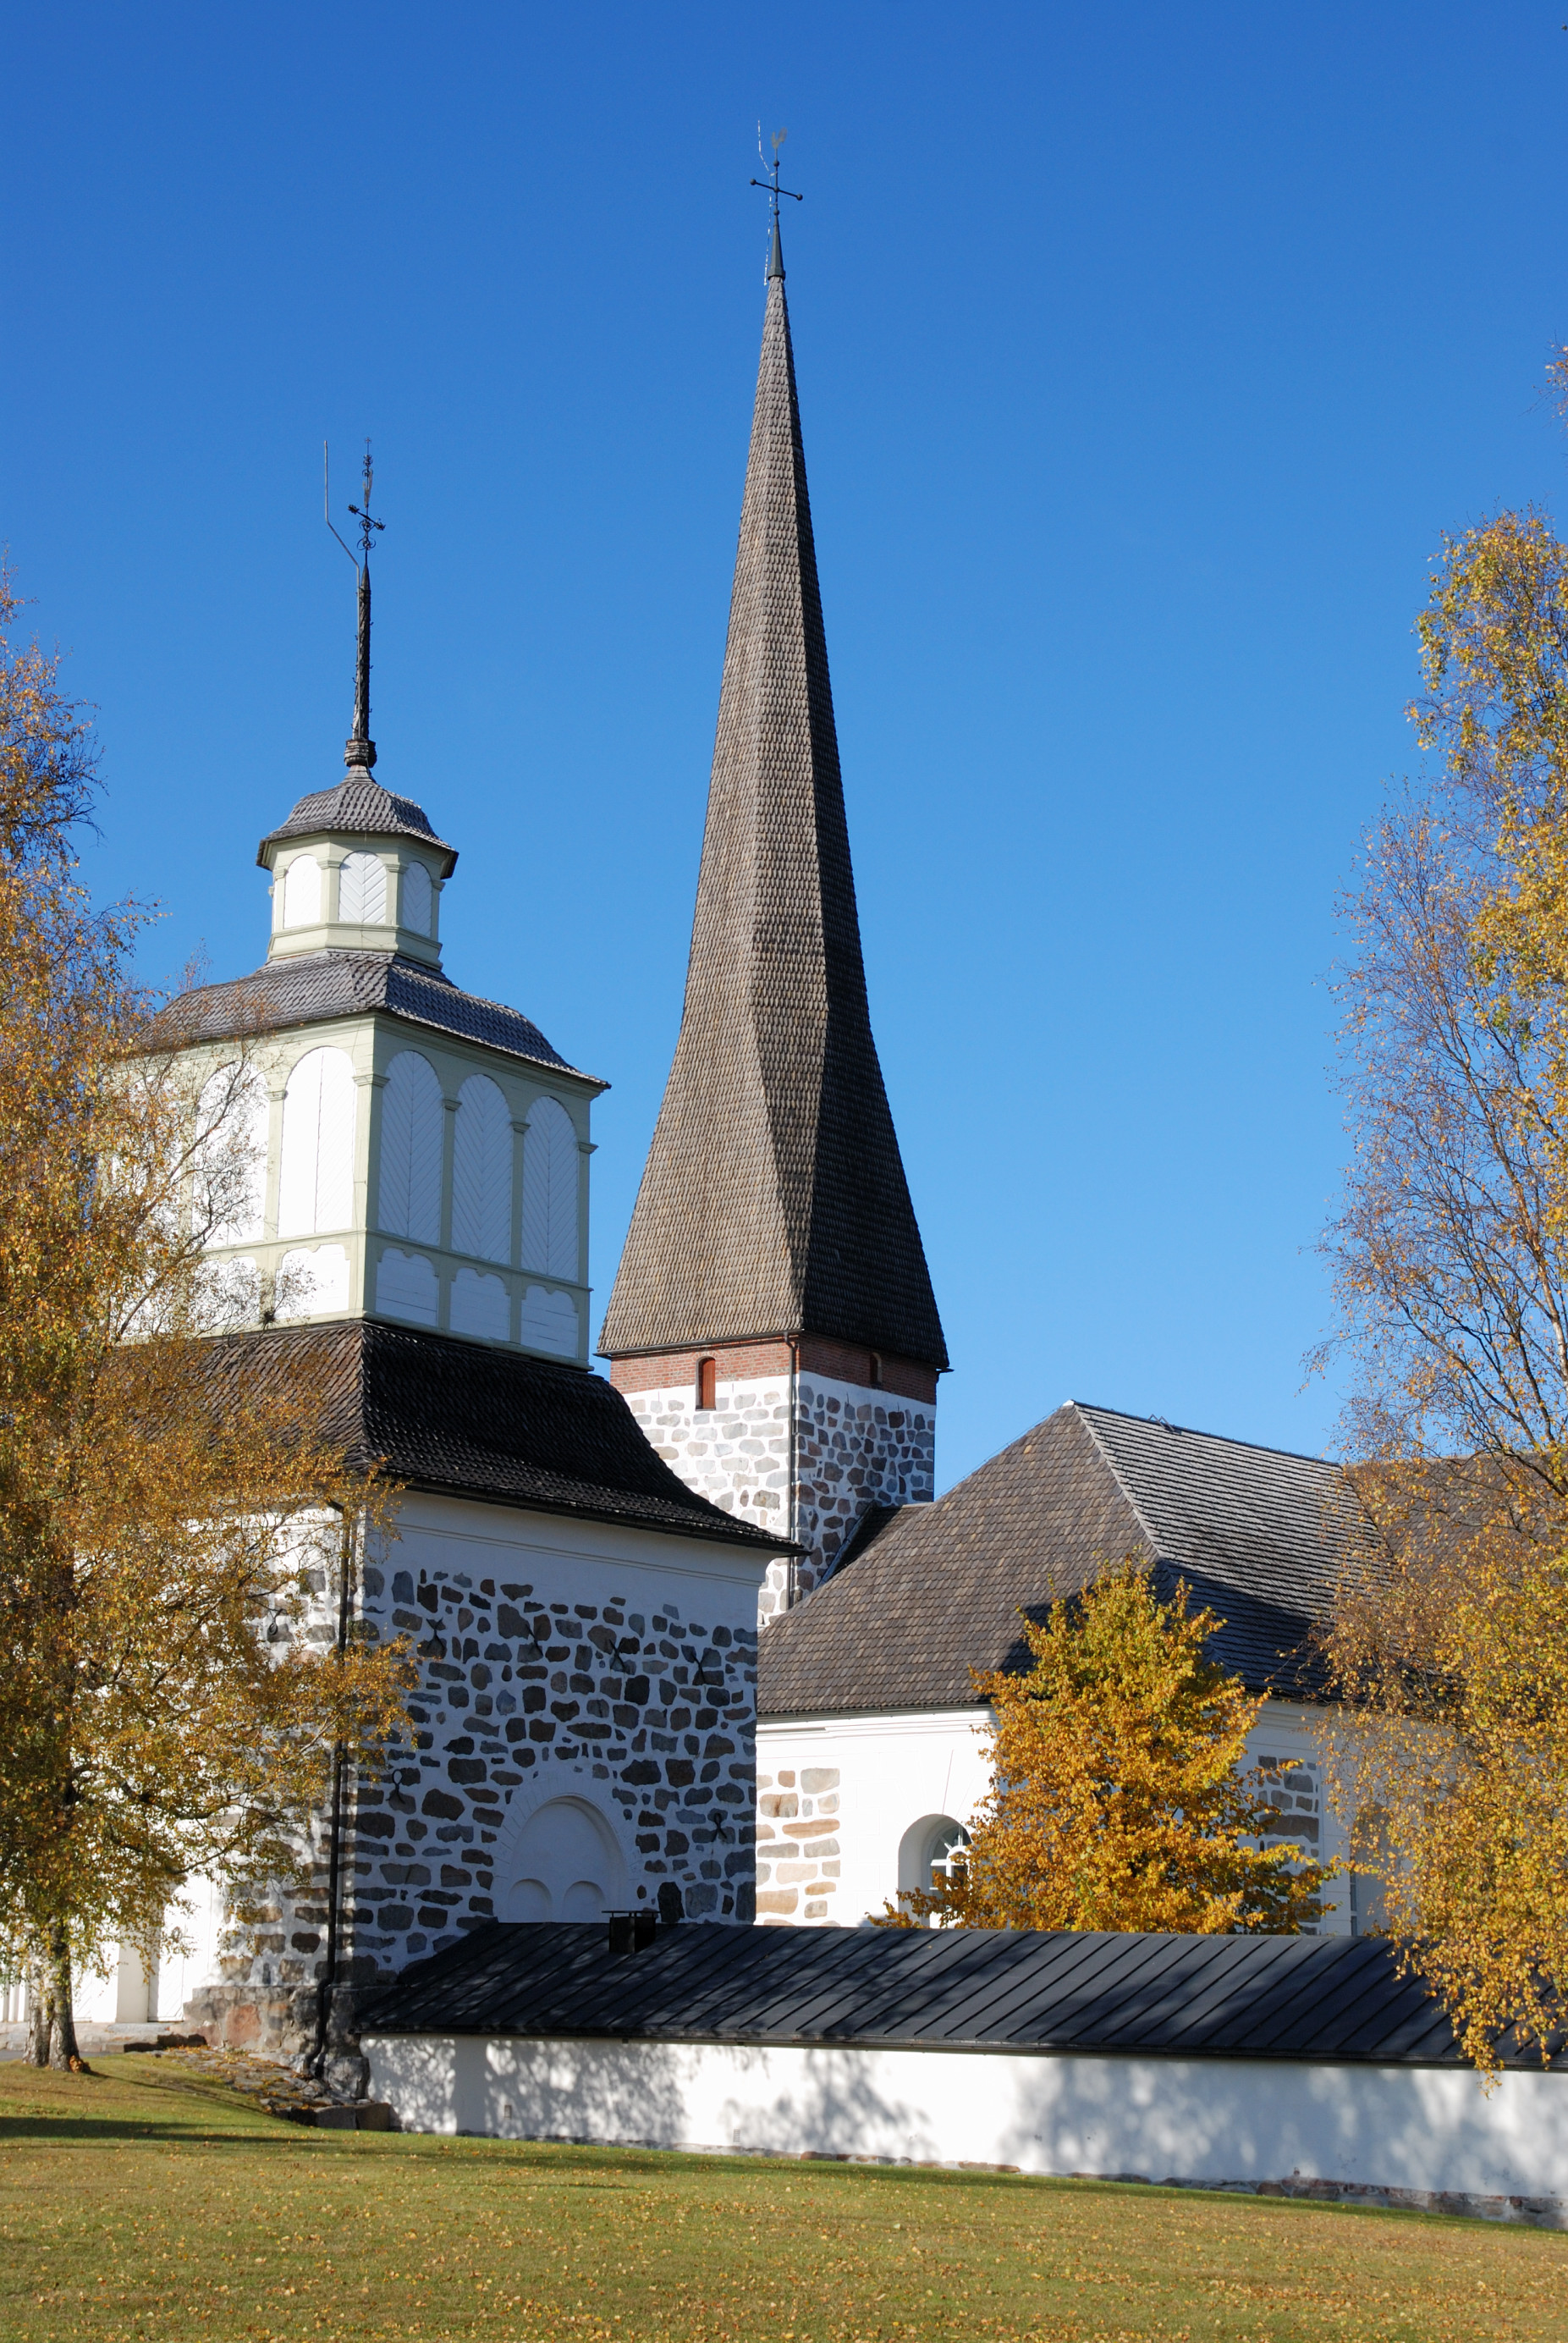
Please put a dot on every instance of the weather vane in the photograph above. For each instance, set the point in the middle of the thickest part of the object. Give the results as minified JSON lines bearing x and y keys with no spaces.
{"x":360,"y":749}
{"x":771,"y":185}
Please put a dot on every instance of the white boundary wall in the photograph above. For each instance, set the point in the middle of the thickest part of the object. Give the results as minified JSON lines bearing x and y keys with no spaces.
{"x":1417,"y":2130}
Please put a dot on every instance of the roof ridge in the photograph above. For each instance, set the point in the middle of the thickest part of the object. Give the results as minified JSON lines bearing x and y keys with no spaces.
{"x":1116,"y":1474}
{"x":1196,"y":1432}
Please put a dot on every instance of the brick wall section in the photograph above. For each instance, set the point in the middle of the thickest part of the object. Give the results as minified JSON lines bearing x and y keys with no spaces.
{"x":854,"y":1447}
{"x":797,"y":1846}
{"x":662,"y":1709}
{"x":743,"y":1362}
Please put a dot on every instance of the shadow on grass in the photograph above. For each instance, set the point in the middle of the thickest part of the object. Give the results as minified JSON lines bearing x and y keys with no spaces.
{"x":110,"y":2103}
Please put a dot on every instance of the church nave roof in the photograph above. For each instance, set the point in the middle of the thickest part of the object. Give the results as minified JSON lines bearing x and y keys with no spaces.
{"x":471,"y":1420}
{"x":925,"y":1592}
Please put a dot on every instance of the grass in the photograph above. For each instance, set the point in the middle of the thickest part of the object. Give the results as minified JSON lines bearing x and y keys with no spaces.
{"x":145,"y":2201}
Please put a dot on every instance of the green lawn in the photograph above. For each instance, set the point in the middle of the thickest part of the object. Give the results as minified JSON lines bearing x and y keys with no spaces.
{"x":146,"y":2202}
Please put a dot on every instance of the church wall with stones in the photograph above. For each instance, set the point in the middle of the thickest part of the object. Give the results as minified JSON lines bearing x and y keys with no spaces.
{"x":585,"y":1700}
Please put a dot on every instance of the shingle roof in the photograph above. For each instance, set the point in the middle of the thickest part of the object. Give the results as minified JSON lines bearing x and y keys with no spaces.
{"x":473,"y":1422}
{"x":308,"y":987}
{"x":361,"y":805}
{"x":1301,"y":1997}
{"x":774,"y":1201}
{"x":1259,"y":1536}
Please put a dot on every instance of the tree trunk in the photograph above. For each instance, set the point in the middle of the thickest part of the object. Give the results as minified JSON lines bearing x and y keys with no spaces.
{"x":64,"y":2052}
{"x":41,"y":2020}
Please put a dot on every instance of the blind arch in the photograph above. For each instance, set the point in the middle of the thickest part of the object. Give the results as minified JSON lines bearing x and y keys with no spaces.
{"x":408,"y":1195}
{"x":550,"y":1162}
{"x":315,"y":1168}
{"x":482,"y":1172}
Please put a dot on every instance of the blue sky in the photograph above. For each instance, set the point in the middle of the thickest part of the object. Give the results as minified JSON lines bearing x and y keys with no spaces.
{"x":1144,"y":355}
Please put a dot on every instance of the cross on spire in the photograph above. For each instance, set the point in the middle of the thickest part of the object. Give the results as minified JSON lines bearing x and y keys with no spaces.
{"x":772,"y":189}
{"x":360,"y":750}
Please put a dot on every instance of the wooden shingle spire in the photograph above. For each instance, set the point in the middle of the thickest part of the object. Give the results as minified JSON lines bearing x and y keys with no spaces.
{"x":774,"y":1201}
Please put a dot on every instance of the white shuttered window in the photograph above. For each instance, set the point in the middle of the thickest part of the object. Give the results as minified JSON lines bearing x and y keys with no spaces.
{"x":482,"y":1172}
{"x":316,"y":1173}
{"x":550,"y":1191}
{"x":302,"y":892}
{"x":411,"y":1162}
{"x":362,"y":890}
{"x":417,"y":899}
{"x":231,"y":1156}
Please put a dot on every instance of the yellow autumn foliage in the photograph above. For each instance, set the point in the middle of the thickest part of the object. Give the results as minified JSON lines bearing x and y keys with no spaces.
{"x":172,"y":1545}
{"x":1451,"y":1262}
{"x":1119,"y":1798}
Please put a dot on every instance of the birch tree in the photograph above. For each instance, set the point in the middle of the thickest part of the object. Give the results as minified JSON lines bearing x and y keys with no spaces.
{"x":168,"y":1519}
{"x":1449,"y":1256}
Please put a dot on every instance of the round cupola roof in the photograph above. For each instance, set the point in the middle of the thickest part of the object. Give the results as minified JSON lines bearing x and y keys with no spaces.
{"x":358,"y":807}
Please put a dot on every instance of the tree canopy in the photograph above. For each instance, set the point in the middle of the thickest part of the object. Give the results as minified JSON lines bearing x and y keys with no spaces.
{"x":1117,"y":1795}
{"x":171,"y":1545}
{"x":1451,"y":1262}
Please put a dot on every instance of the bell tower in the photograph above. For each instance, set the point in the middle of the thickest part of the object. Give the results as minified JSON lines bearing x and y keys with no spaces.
{"x":772,"y":1323}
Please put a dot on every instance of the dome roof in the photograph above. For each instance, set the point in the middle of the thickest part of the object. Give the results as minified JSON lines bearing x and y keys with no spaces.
{"x":361,"y":807}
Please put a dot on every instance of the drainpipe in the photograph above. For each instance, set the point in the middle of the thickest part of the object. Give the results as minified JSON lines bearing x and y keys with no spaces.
{"x":328,"y":1983}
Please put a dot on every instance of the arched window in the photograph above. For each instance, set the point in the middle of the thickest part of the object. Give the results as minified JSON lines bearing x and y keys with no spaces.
{"x":550,"y":1162}
{"x":315,"y":1170}
{"x":416,"y":900}
{"x":362,"y":891}
{"x":482,"y":1172}
{"x":409,"y":1191}
{"x":231,"y":1156}
{"x":876,"y":1371}
{"x":930,"y":1854}
{"x":302,"y":892}
{"x":707,"y":1382}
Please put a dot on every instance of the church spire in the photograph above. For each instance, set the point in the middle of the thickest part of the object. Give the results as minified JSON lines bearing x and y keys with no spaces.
{"x":774,"y":1203}
{"x":359,"y":751}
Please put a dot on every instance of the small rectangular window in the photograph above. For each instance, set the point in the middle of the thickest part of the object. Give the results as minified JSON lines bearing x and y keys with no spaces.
{"x":707,"y":1382}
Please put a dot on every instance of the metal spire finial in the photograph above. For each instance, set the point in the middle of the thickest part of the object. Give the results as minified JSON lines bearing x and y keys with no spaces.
{"x":773,"y":190}
{"x":360,"y":749}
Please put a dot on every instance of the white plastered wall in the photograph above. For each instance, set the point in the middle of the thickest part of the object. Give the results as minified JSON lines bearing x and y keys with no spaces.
{"x":837,"y":1797}
{"x":1420,"y":2128}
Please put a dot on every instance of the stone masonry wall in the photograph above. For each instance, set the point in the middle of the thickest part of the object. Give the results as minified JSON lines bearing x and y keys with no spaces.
{"x":660,"y":1707}
{"x":797,"y":1846}
{"x":854,"y":1447}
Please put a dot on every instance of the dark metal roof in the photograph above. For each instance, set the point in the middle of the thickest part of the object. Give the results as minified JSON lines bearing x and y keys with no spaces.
{"x":774,"y":1200}
{"x":1303,"y":1997}
{"x":929,"y":1592}
{"x":362,"y":807}
{"x":309,"y":988}
{"x":473,"y":1421}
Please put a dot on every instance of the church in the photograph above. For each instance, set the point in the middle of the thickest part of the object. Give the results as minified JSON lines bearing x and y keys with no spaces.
{"x":695,"y":1634}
